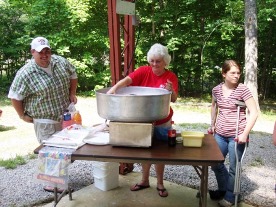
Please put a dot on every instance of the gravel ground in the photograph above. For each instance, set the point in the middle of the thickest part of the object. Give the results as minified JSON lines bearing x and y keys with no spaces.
{"x":19,"y":188}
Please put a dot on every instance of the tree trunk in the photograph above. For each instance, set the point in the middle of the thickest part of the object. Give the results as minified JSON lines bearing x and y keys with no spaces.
{"x":266,"y":73}
{"x":251,"y":50}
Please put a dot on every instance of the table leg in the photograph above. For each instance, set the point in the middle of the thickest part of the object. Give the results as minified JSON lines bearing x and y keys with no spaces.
{"x":70,"y":193}
{"x":203,"y":188}
{"x":57,"y":197}
{"x":204,"y":185}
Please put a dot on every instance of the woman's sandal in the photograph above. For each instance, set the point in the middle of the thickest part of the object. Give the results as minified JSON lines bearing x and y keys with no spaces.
{"x":137,"y":187}
{"x":162,"y":192}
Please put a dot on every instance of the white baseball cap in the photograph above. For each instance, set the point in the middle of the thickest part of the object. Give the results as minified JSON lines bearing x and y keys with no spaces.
{"x":39,"y":43}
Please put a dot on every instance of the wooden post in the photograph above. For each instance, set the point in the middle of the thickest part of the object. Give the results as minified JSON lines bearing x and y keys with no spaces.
{"x":114,"y":38}
{"x":129,"y":45}
{"x":116,"y":57}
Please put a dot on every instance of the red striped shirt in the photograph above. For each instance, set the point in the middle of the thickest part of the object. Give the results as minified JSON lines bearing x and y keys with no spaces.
{"x":227,"y":114}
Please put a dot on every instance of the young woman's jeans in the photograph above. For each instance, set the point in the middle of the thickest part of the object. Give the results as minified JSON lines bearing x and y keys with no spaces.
{"x":225,"y":179}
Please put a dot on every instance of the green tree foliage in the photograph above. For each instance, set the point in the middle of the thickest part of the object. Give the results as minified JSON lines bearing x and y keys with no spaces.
{"x":12,"y":24}
{"x":200,"y":35}
{"x":75,"y":29}
{"x":266,"y":48}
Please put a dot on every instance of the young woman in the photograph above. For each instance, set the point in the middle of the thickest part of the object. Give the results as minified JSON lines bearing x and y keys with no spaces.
{"x":223,"y":125}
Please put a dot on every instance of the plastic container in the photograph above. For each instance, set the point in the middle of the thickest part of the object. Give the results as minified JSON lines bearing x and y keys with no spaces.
{"x":192,"y":138}
{"x":106,"y":175}
{"x":77,"y":118}
{"x":67,"y":121}
{"x":179,"y":139}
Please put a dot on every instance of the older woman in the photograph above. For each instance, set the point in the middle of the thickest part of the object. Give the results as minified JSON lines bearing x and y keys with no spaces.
{"x":154,"y":75}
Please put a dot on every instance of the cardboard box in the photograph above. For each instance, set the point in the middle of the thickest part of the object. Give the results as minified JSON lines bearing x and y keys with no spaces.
{"x":131,"y":134}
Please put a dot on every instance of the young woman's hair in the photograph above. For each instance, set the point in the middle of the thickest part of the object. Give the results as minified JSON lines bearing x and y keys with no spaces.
{"x":228,"y":64}
{"x":158,"y":50}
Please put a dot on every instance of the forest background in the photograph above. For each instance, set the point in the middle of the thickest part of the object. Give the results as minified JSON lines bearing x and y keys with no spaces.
{"x":199,"y":34}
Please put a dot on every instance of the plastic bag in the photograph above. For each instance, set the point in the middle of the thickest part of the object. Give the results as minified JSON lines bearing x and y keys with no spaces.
{"x":53,"y":166}
{"x":72,"y":109}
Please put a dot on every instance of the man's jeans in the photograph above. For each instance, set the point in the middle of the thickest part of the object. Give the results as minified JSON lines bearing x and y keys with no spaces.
{"x":225,"y":179}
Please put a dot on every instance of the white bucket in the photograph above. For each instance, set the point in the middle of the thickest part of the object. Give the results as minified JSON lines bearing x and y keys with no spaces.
{"x":106,"y":175}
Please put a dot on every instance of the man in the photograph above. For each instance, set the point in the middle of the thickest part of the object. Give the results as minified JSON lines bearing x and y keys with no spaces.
{"x":43,"y":89}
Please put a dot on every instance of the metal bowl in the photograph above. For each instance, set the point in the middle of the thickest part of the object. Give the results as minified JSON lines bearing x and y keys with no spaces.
{"x":134,"y":104}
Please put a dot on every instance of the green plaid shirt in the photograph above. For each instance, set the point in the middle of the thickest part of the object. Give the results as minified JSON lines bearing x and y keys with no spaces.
{"x":45,"y":96}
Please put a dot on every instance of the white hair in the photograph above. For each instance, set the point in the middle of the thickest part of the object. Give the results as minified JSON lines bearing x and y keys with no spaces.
{"x":158,"y":50}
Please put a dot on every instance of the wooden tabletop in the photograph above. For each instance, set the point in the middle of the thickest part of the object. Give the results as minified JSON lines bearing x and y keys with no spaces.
{"x":160,"y":152}
{"x":199,"y":157}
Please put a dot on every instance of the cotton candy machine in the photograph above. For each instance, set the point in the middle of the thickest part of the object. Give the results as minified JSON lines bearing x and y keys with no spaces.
{"x":132,"y":111}
{"x":134,"y":104}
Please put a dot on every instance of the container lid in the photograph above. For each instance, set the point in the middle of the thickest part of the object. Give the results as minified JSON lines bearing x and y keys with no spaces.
{"x":192,"y":134}
{"x":67,"y":117}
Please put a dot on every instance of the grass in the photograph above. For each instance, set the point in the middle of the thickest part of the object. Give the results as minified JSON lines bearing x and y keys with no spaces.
{"x":202,"y":105}
{"x":12,"y":163}
{"x":4,"y":100}
{"x":268,"y":107}
{"x":6,"y":128}
{"x":196,"y":126}
{"x":182,"y":104}
{"x":257,"y":162}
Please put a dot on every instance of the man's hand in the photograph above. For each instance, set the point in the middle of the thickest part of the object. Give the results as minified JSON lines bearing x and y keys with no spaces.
{"x":73,"y":99}
{"x":27,"y":118}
